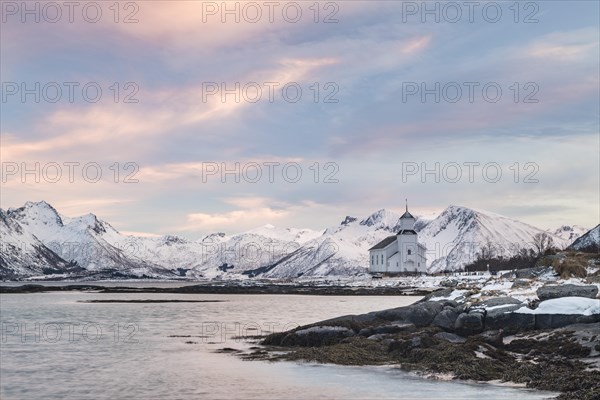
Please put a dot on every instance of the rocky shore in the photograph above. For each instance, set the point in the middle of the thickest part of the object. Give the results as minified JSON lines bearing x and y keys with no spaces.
{"x":551,"y":343}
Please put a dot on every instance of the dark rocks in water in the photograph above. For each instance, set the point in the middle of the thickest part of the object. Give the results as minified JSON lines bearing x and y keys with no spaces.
{"x":450,"y":337}
{"x":446,"y":319}
{"x":420,"y":314}
{"x":567,"y":290}
{"x":469,"y":324}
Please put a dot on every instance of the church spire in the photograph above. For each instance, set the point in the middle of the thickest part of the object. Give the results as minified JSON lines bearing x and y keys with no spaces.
{"x":406,"y":200}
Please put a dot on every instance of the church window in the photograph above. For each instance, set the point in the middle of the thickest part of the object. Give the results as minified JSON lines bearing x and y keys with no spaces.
{"x":409,"y":252}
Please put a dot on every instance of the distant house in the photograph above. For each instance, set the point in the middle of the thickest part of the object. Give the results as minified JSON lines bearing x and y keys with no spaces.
{"x":401,"y":253}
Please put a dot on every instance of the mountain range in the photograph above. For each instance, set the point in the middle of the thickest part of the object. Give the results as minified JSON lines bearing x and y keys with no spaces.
{"x":38,"y":242}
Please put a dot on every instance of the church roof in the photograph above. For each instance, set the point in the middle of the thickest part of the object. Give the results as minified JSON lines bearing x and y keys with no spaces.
{"x":407,"y":232}
{"x":384,"y":243}
{"x":407,"y":215}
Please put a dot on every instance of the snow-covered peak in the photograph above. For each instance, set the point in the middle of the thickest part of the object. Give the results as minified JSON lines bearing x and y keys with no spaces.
{"x":284,"y":234}
{"x":381,"y":218}
{"x":37,"y":213}
{"x":348,"y":220}
{"x":569,"y":232}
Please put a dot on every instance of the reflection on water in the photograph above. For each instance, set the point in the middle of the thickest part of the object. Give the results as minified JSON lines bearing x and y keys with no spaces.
{"x":54,"y":346}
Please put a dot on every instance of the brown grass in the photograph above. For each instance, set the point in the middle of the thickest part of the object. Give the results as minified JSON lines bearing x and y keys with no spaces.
{"x":570,"y":268}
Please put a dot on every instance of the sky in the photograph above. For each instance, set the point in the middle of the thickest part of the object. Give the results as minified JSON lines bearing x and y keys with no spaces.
{"x":191,"y":117}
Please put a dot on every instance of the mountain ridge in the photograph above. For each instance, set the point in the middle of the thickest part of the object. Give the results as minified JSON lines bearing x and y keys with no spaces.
{"x":453,"y":239}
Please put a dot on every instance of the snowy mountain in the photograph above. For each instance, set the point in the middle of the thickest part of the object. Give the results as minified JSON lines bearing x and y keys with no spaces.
{"x":588,"y":241}
{"x":87,"y":247}
{"x":342,"y":250}
{"x":459,"y":235}
{"x":86,"y":241}
{"x":569,"y":232}
{"x":22,"y":254}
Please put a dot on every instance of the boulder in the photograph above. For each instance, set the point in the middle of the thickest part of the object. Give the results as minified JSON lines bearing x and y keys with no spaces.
{"x":493,"y":337}
{"x":520,"y":283}
{"x":530,"y":273}
{"x":567,"y":290}
{"x":504,"y":318}
{"x":420,"y":314}
{"x":552,"y":321}
{"x":499,"y":301}
{"x":446,"y":319}
{"x":450,"y":337}
{"x":469,"y":324}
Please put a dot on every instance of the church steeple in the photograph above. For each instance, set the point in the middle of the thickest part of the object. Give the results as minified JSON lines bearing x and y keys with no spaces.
{"x":407,"y":221}
{"x":406,"y":213}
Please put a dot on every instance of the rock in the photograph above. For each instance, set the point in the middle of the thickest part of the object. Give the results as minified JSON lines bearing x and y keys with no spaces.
{"x":416,"y":342}
{"x":551,"y":321}
{"x":499,"y":301}
{"x":437,"y":293}
{"x":450,"y":337}
{"x":420,"y":314}
{"x":469,"y":324}
{"x":567,"y":290}
{"x":520,"y":283}
{"x":378,"y":337}
{"x":366,"y":332}
{"x":530,"y":273}
{"x":446,"y":319}
{"x":504,"y":318}
{"x":360,"y":318}
{"x":449,"y":303}
{"x":317,"y":336}
{"x":393,"y":328}
{"x":493,"y":337}
{"x":449,"y":283}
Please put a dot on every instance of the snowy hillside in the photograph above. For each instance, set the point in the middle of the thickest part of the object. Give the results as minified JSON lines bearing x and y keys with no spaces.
{"x":590,"y":240}
{"x":458,"y":235}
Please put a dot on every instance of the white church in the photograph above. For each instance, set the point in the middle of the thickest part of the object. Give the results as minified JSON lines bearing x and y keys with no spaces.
{"x":401,"y":253}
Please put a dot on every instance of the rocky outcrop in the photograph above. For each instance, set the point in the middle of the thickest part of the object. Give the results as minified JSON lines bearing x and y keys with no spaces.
{"x":471,"y":323}
{"x":556,"y":291}
{"x":420,"y":314}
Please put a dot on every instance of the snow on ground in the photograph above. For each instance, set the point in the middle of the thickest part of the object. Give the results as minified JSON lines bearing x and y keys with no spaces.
{"x":565,"y":305}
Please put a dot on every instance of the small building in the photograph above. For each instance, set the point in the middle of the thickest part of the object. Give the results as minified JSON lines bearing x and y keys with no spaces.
{"x":401,"y":253}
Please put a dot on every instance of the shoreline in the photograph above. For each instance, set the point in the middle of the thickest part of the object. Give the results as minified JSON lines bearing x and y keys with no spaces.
{"x":288,"y":289}
{"x":439,"y":338}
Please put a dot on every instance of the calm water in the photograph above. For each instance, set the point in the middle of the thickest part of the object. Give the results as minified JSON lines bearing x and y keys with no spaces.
{"x":100,"y":351}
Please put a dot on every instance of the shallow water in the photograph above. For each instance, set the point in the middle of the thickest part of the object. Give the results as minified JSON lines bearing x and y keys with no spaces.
{"x":123,"y":350}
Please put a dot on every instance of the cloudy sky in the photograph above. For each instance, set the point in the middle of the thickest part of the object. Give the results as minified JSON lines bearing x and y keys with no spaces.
{"x":224,"y":117}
